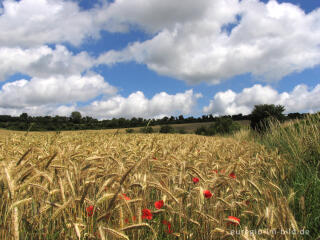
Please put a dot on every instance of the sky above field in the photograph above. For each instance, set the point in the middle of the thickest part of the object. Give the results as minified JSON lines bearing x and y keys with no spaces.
{"x":151,"y":58}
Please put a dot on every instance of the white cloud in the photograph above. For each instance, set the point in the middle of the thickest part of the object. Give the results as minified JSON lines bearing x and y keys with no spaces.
{"x":53,"y":90}
{"x":43,"y":110}
{"x":268,"y":40}
{"x":28,"y":23}
{"x":42,"y":62}
{"x":189,"y":41}
{"x":301,"y":99}
{"x":137,"y":105}
{"x":155,"y":15}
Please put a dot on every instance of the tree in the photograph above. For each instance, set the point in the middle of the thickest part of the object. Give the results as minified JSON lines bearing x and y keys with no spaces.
{"x":164,"y":119}
{"x":204,"y":118}
{"x":295,"y":116}
{"x":23,"y":116}
{"x":263,"y":114}
{"x":237,"y":117}
{"x":76,"y":117}
{"x":172,"y":119}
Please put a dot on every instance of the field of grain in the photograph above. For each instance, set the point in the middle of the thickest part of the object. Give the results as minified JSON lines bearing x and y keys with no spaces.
{"x":101,"y":185}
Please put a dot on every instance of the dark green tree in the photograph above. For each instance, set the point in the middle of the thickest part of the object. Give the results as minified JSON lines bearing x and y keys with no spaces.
{"x":295,"y":116}
{"x":76,"y":117}
{"x":263,"y":114}
{"x":23,"y":116}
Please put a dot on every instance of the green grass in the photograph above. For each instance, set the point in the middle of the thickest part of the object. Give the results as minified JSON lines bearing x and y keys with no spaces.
{"x":299,"y":143}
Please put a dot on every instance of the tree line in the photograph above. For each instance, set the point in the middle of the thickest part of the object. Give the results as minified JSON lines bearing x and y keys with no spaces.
{"x":76,"y":121}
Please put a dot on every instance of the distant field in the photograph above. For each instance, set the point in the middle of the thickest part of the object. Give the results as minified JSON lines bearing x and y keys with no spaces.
{"x":188,"y":127}
{"x":98,"y":185}
{"x":191,"y":127}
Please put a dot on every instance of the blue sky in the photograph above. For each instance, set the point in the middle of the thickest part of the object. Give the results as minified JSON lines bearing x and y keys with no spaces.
{"x":149,"y":58}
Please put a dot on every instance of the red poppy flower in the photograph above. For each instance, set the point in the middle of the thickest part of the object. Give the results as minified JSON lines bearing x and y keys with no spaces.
{"x":234,"y":220}
{"x":159,"y":204}
{"x":168,"y":225}
{"x":90,"y":210}
{"x":216,"y":171}
{"x":232,"y":175}
{"x":146,"y":214}
{"x":127,"y":220}
{"x":154,"y":158}
{"x":222,"y":171}
{"x":195,"y":180}
{"x":124,"y":196}
{"x":207,"y":194}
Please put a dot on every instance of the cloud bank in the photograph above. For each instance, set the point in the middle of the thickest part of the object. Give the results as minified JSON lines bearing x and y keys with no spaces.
{"x":135,"y":105}
{"x":300,"y":99}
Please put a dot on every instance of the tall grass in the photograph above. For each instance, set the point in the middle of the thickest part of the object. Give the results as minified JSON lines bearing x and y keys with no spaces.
{"x":299,"y":143}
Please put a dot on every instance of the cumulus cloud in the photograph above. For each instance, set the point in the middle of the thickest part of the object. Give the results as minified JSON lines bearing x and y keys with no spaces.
{"x":43,"y":110}
{"x":154,"y":15}
{"x":194,"y":41}
{"x":197,"y":41}
{"x":53,"y":90}
{"x":28,"y":23}
{"x":137,"y":105}
{"x":300,"y":99}
{"x":223,"y":39}
{"x":42,"y":62}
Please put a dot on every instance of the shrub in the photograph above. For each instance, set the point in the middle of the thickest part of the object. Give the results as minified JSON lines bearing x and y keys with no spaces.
{"x":225,"y":126}
{"x":221,"y":126}
{"x":201,"y":130}
{"x":166,"y":129}
{"x":211,"y":130}
{"x":146,"y":130}
{"x":129,"y":130}
{"x":182,"y":131}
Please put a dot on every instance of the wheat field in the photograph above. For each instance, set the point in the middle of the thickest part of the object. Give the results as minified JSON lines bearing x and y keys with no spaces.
{"x":102,"y":185}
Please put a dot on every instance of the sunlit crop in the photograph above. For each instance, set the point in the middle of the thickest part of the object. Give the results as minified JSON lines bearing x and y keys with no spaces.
{"x":98,"y":185}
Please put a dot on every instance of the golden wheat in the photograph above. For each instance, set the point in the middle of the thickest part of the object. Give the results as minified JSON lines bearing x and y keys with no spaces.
{"x":95,"y":184}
